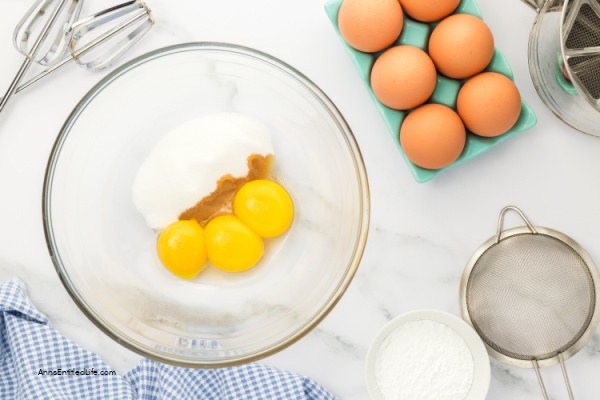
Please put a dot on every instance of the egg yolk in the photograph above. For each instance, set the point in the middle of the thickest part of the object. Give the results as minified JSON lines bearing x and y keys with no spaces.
{"x":182,"y":249}
{"x":231,"y":245}
{"x":265,"y":207}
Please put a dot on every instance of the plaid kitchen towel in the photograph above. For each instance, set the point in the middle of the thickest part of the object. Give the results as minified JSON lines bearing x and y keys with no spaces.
{"x":38,"y":363}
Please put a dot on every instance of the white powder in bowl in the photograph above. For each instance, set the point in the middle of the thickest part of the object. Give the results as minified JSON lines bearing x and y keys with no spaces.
{"x":424,"y":360}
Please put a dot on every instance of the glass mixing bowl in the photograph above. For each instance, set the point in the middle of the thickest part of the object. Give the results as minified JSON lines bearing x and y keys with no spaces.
{"x":106,"y":255}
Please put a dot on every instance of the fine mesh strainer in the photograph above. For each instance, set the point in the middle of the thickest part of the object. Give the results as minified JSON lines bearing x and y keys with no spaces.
{"x":530,"y":293}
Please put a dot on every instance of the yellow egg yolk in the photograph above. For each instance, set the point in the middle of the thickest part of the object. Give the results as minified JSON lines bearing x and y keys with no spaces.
{"x":231,"y":245}
{"x":182,"y":248}
{"x":265,"y":207}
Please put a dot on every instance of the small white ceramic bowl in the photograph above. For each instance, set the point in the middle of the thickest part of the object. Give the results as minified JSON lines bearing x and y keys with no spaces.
{"x":481,"y":361}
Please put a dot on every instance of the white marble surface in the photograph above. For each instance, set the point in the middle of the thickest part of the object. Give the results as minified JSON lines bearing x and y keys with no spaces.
{"x":421,"y":235}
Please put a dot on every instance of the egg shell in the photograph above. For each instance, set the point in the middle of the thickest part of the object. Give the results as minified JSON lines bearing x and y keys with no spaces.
{"x":370,"y":25}
{"x":433,"y":136}
{"x":403,"y":77}
{"x":489,"y":104}
{"x":446,"y":90}
{"x":461,"y":46}
{"x":429,"y":10}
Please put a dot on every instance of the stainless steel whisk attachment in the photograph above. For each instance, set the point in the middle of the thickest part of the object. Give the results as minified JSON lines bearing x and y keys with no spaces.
{"x":94,"y":43}
{"x":89,"y":39}
{"x":51,"y":51}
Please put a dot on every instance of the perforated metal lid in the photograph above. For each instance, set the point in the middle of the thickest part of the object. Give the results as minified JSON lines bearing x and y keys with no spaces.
{"x":581,"y":47}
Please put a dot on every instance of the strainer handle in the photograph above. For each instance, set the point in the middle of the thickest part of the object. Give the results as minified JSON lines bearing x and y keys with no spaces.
{"x":536,"y":367}
{"x":501,"y":221}
{"x":566,"y":376}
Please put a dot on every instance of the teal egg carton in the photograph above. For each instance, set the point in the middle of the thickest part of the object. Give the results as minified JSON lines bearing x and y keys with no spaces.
{"x":417,"y":34}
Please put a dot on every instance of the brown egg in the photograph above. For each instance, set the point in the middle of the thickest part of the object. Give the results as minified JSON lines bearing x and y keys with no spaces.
{"x":489,"y":104}
{"x":433,"y":136}
{"x":461,"y":46}
{"x":370,"y":25}
{"x":403,"y":77}
{"x":429,"y":10}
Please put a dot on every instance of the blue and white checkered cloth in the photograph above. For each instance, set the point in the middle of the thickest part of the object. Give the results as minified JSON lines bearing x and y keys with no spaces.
{"x":31,"y":352}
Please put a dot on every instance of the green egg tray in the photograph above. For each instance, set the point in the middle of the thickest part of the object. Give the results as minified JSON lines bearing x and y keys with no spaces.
{"x":417,"y":34}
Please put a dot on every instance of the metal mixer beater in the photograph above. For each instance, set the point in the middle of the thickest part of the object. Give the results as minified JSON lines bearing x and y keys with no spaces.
{"x":51,"y":34}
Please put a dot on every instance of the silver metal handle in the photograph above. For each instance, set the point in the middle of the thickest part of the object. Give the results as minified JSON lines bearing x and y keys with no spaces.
{"x":566,"y":376}
{"x":501,"y":221}
{"x":536,"y":367}
{"x":13,"y":85}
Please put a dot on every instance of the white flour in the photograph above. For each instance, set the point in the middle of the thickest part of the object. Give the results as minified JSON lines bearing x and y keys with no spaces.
{"x":424,"y":360}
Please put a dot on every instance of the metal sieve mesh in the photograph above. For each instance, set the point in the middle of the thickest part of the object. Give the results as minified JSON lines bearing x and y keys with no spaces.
{"x":585,"y":31}
{"x":582,"y":46}
{"x":587,"y":69}
{"x":530,"y":296}
{"x":530,"y":293}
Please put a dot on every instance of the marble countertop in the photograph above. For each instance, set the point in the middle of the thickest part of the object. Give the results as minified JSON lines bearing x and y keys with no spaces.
{"x":421,"y":235}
